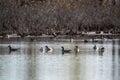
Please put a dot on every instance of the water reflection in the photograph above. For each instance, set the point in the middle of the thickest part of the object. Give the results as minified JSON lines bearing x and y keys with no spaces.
{"x":31,"y":64}
{"x":119,"y":47}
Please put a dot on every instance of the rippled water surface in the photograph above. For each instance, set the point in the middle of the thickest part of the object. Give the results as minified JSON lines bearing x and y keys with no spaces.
{"x":29,"y":63}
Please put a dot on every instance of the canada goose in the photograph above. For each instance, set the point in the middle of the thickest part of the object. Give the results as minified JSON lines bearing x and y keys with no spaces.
{"x":76,"y":49}
{"x":65,"y":51}
{"x":47,"y":49}
{"x":12,"y":49}
{"x":102,"y":49}
{"x":95,"y":47}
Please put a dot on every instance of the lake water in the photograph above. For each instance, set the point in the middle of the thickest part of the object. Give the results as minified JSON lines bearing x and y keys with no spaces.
{"x":29,"y":63}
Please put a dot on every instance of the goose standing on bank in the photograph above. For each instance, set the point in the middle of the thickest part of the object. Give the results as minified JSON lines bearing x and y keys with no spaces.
{"x":12,"y":49}
{"x":65,"y":51}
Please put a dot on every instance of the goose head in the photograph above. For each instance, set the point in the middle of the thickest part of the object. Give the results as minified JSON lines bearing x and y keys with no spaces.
{"x":102,"y":49}
{"x":62,"y":47}
{"x":76,"y":46}
{"x":9,"y":46}
{"x":95,"y":47}
{"x":46,"y":47}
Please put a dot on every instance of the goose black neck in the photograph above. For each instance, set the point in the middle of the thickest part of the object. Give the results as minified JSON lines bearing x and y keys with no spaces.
{"x":10,"y":48}
{"x":62,"y":48}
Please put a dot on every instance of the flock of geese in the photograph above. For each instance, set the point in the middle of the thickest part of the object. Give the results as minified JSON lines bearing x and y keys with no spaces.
{"x":48,"y":49}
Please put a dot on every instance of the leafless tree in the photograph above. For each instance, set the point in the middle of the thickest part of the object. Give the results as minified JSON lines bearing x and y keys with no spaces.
{"x":42,"y":16}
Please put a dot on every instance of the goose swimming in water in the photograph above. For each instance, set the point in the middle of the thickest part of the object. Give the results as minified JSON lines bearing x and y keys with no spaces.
{"x":65,"y":51}
{"x":102,"y":49}
{"x":76,"y":49}
{"x":47,"y":49}
{"x":95,"y":47}
{"x":12,"y":49}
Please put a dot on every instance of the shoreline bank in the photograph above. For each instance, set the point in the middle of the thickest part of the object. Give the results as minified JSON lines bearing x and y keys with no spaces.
{"x":60,"y":38}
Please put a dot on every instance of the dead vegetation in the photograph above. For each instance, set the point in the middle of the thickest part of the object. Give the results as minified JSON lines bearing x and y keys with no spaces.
{"x":36,"y":17}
